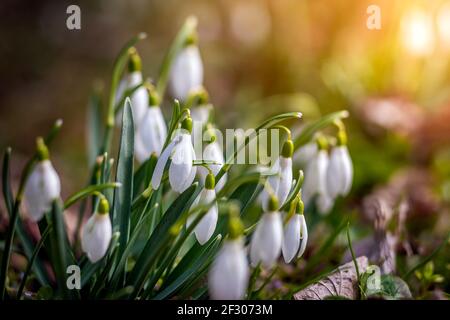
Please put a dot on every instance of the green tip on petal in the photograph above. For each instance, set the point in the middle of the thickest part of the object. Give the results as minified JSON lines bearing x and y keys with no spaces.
{"x":288,"y":149}
{"x":210,"y":181}
{"x":134,"y":62}
{"x":187,"y":124}
{"x":103,"y":206}
{"x":235,"y":225}
{"x":273,"y":203}
{"x":42,"y":150}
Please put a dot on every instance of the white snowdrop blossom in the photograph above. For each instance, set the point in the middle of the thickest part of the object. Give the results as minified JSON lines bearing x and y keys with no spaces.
{"x":97,"y":233}
{"x":151,"y":131}
{"x":281,"y":182}
{"x":201,"y":113}
{"x":206,"y":226}
{"x":186,"y":73}
{"x":339,"y":172}
{"x":304,"y":154}
{"x":266,"y":242}
{"x":295,"y":236}
{"x":213,"y":152}
{"x":315,"y":181}
{"x":229,"y":275}
{"x":139,"y":98}
{"x":181,"y":152}
{"x":43,"y":185}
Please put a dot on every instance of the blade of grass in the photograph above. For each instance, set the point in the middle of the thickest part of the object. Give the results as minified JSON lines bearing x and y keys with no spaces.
{"x":88,"y":191}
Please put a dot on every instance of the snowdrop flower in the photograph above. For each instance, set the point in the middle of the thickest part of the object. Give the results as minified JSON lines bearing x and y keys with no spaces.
{"x":315,"y":179}
{"x":201,"y":113}
{"x":186,"y":73}
{"x":265,"y":246}
{"x":181,"y":152}
{"x":205,"y":228}
{"x":151,"y":131}
{"x":139,"y":98}
{"x":97,"y":233}
{"x":281,"y":182}
{"x":228,"y":277}
{"x":304,"y":154}
{"x":295,"y":234}
{"x":213,"y":152}
{"x":43,"y":185}
{"x":340,"y":169}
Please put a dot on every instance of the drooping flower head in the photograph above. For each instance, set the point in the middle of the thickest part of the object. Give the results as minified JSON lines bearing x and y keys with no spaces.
{"x":229,"y":275}
{"x":265,"y":246}
{"x":97,"y":232}
{"x":281,"y":182}
{"x":181,"y":152}
{"x":151,"y":131}
{"x":295,"y":232}
{"x":207,"y":225}
{"x":340,"y":168}
{"x":139,"y":98}
{"x":186,"y":73}
{"x":43,"y":186}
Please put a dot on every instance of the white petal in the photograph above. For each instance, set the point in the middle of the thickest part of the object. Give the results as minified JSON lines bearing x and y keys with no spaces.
{"x":285,"y":179}
{"x":201,"y":113}
{"x":161,"y":163}
{"x":273,"y":180}
{"x":304,"y":236}
{"x":181,"y":170}
{"x":347,"y":169}
{"x":303,"y":155}
{"x":266,"y":242}
{"x":334,"y":174}
{"x":324,"y":203}
{"x":43,"y":186}
{"x":315,"y":177}
{"x":96,"y":236}
{"x":228,"y":278}
{"x":152,"y":131}
{"x":139,"y":98}
{"x":291,"y":238}
{"x":205,"y":228}
{"x":186,"y":73}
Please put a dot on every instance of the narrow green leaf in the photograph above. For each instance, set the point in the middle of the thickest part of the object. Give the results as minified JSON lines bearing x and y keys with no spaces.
{"x":88,"y":191}
{"x":311,"y":128}
{"x":160,"y":238}
{"x":94,"y":127}
{"x":124,"y":175}
{"x":206,"y":255}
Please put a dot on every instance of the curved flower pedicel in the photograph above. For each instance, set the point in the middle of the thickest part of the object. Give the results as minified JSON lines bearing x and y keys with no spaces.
{"x":229,"y":275}
{"x":151,"y":131}
{"x":181,"y":152}
{"x":265,"y":246}
{"x":281,"y":182}
{"x":295,"y":234}
{"x":186,"y":73}
{"x":139,"y":98}
{"x":340,"y":168}
{"x":43,"y":185}
{"x":97,"y":233}
{"x":205,"y":228}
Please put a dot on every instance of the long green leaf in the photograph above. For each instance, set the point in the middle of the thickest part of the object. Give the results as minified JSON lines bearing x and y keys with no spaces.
{"x":160,"y":238}
{"x":89,"y":191}
{"x":124,"y":175}
{"x":310,"y":129}
{"x":94,"y":127}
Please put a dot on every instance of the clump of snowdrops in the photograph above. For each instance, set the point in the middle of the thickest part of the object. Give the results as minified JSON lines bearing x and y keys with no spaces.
{"x":161,"y":221}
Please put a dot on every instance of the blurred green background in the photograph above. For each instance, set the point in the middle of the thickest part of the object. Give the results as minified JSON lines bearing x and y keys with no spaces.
{"x":261,"y":57}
